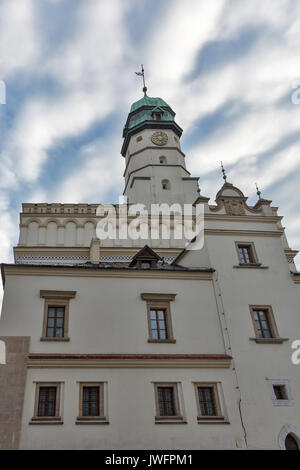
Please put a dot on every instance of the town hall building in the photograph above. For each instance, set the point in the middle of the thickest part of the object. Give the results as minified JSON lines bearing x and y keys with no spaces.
{"x":134,"y":343}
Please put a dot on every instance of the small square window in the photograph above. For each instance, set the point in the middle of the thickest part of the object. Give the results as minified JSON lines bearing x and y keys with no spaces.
{"x":280,"y":391}
{"x":167,"y":402}
{"x":208,"y":403}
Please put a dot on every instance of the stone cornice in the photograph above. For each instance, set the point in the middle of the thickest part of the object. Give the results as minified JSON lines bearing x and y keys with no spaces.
{"x":36,"y":360}
{"x":76,"y":271}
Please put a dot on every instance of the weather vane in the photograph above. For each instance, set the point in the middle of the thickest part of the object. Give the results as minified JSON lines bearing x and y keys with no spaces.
{"x":142,"y":74}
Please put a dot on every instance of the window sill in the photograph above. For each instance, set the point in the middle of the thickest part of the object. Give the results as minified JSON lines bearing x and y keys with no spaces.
{"x":251,"y":265}
{"x":170,"y":420}
{"x":269,"y":340}
{"x":91,"y":420}
{"x":212,"y":421}
{"x":45,"y":338}
{"x":46,"y":420}
{"x":283,"y":402}
{"x":172,"y":341}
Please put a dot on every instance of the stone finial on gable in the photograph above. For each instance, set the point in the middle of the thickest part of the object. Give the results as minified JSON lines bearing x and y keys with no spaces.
{"x":95,"y":251}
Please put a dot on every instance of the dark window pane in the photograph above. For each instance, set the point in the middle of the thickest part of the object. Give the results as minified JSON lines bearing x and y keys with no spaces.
{"x":166,"y":401}
{"x":206,"y":401}
{"x":47,"y":401}
{"x":55,"y":322}
{"x":90,"y":401}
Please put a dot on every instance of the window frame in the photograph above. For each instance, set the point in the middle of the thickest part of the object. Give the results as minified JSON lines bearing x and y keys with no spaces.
{"x":289,"y":401}
{"x":100,"y":419}
{"x":56,"y":299}
{"x":178,"y":417}
{"x":57,"y":419}
{"x":271,"y":322}
{"x":253,"y":253}
{"x":162,"y":302}
{"x":217,"y":402}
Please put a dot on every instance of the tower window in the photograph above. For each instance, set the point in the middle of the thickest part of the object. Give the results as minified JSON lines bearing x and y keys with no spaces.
{"x":157,"y":116}
{"x":208,"y":403}
{"x":47,"y":403}
{"x":166,"y":184}
{"x":264,"y":322}
{"x":246,"y":253}
{"x":162,"y":160}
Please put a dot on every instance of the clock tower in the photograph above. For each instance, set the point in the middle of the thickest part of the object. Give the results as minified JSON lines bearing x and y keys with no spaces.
{"x":155,"y":170}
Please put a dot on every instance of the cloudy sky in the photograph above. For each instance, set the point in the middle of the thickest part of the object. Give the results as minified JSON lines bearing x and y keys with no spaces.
{"x":226,"y":67}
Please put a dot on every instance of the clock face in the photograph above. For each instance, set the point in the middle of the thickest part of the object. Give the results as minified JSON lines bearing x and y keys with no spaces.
{"x":159,"y":138}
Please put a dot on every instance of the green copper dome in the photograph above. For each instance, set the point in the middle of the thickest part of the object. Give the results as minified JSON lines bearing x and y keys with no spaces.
{"x":146,"y":109}
{"x":150,"y":113}
{"x":147,"y":101}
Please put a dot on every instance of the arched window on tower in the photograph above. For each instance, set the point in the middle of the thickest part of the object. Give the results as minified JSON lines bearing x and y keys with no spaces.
{"x":166,"y":184}
{"x":162,"y":160}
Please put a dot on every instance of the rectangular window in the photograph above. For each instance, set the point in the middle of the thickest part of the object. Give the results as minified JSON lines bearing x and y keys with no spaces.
{"x":55,"y":322}
{"x":158,"y":117}
{"x":208,"y":403}
{"x":91,"y":402}
{"x":246,"y":253}
{"x":56,"y":314}
{"x":159,"y":317}
{"x":47,"y":403}
{"x":264,"y":322}
{"x":167,"y":402}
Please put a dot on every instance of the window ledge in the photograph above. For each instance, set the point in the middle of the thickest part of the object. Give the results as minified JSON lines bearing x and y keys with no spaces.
{"x":91,"y":421}
{"x":283,"y":402}
{"x":170,"y":421}
{"x":215,"y":420}
{"x":269,"y":340}
{"x":251,"y":265}
{"x":45,"y":338}
{"x":40,"y":420}
{"x":172,"y":341}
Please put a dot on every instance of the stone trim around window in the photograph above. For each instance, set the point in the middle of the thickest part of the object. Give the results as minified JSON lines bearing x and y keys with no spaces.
{"x":219,"y":417}
{"x":156,"y":301}
{"x":284,"y":402}
{"x":271,"y":319}
{"x":56,"y":298}
{"x":102,"y":418}
{"x":175,"y":419}
{"x":57,"y":419}
{"x":255,"y":262}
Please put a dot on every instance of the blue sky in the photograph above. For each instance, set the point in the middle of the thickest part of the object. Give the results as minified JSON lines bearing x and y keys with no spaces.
{"x":226,"y":67}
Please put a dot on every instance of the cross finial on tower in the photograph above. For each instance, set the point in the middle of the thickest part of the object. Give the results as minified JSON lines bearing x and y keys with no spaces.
{"x":142,"y":74}
{"x":224,"y":174}
{"x":258,"y":192}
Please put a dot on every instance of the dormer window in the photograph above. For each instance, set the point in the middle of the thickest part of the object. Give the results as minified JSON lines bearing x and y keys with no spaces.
{"x":157,"y":113}
{"x":146,"y":258}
